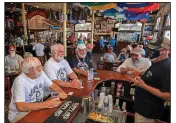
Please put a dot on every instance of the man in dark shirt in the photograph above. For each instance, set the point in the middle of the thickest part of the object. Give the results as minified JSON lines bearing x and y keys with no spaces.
{"x":80,"y":63}
{"x":153,"y":88}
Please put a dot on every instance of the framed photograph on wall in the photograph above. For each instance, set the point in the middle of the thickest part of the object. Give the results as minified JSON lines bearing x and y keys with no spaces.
{"x":98,"y":21}
{"x":10,"y":23}
{"x":97,"y":26}
{"x":103,"y":25}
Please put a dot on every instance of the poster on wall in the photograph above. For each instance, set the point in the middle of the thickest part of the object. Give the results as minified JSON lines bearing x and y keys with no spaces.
{"x":37,"y":19}
{"x":10,"y":23}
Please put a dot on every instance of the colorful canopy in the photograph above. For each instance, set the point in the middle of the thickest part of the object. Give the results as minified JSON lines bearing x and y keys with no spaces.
{"x":133,"y":5}
{"x":99,"y":5}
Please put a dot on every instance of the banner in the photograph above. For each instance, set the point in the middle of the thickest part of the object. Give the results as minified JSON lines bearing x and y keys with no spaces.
{"x":125,"y":27}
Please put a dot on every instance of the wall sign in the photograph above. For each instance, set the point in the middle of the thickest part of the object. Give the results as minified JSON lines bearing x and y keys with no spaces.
{"x":37,"y":19}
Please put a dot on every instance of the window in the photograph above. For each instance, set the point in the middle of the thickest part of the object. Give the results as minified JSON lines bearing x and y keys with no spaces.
{"x":167,"y":34}
{"x":155,"y":35}
{"x":167,"y":20}
{"x":157,"y":23}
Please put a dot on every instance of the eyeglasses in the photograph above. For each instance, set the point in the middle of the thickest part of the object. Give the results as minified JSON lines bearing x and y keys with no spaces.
{"x":12,"y":50}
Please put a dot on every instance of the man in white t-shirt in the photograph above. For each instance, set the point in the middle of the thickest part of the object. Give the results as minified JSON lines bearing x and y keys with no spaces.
{"x":28,"y":88}
{"x":136,"y":63}
{"x":58,"y":69}
{"x":39,"y":51}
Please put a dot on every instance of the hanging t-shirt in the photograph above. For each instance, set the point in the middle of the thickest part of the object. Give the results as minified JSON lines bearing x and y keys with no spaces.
{"x":39,"y":49}
{"x":80,"y":63}
{"x":27,"y":90}
{"x":13,"y":62}
{"x":57,"y":70}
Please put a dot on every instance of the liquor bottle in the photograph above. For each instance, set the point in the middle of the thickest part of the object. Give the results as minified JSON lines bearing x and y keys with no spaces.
{"x":106,"y":105}
{"x":122,"y":92}
{"x":117,"y":105}
{"x":112,"y":87}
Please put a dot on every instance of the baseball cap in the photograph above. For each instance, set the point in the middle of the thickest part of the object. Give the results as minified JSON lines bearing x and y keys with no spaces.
{"x":81,"y":46}
{"x":162,"y":42}
{"x":137,"y":50}
{"x":11,"y":47}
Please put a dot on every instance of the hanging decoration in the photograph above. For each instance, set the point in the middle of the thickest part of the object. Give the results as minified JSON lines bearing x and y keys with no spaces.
{"x":136,"y":17}
{"x":153,"y":7}
{"x":99,"y":5}
{"x":79,"y":14}
{"x":133,"y":5}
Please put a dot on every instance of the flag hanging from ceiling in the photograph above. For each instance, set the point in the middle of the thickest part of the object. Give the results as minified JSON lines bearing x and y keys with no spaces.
{"x":133,"y":5}
{"x":136,"y":17}
{"x":153,"y":7}
{"x":100,"y":5}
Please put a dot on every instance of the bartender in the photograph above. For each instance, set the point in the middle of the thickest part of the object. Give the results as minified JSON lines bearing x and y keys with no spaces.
{"x":153,"y":88}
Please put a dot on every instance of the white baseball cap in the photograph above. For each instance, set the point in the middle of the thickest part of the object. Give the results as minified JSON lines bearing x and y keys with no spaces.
{"x":81,"y":46}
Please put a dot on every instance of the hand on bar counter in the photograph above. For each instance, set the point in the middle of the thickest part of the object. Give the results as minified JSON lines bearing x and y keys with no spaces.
{"x":75,"y":83}
{"x":53,"y":102}
{"x":63,"y":95}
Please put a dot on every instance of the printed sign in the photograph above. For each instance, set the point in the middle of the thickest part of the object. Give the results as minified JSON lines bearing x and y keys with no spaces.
{"x":64,"y":112}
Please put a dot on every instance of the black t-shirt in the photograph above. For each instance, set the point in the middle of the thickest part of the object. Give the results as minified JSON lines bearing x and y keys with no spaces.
{"x":157,"y":76}
{"x":80,"y":63}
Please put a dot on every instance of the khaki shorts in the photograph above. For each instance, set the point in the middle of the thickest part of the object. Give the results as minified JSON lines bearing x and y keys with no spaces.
{"x":141,"y":119}
{"x":19,"y":116}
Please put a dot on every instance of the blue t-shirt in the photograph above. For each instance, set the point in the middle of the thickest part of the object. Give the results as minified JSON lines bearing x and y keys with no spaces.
{"x":112,"y":42}
{"x":101,"y":42}
{"x":122,"y":57}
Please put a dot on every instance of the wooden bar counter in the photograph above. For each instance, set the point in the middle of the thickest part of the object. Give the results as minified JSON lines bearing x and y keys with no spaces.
{"x":41,"y":115}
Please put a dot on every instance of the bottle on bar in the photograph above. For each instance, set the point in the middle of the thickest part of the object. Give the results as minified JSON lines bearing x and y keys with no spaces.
{"x":117,"y":105}
{"x":122,"y":92}
{"x":106,"y":105}
{"x":112,"y":87}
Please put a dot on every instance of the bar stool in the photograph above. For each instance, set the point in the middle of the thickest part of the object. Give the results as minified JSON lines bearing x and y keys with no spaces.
{"x":7,"y":87}
{"x":100,"y":65}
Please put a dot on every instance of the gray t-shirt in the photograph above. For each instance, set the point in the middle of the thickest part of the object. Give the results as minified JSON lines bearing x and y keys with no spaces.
{"x":110,"y":57}
{"x":13,"y":62}
{"x":27,"y":90}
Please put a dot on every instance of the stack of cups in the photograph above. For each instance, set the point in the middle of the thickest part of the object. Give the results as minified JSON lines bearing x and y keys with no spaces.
{"x":110,"y":104}
{"x":102,"y":95}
